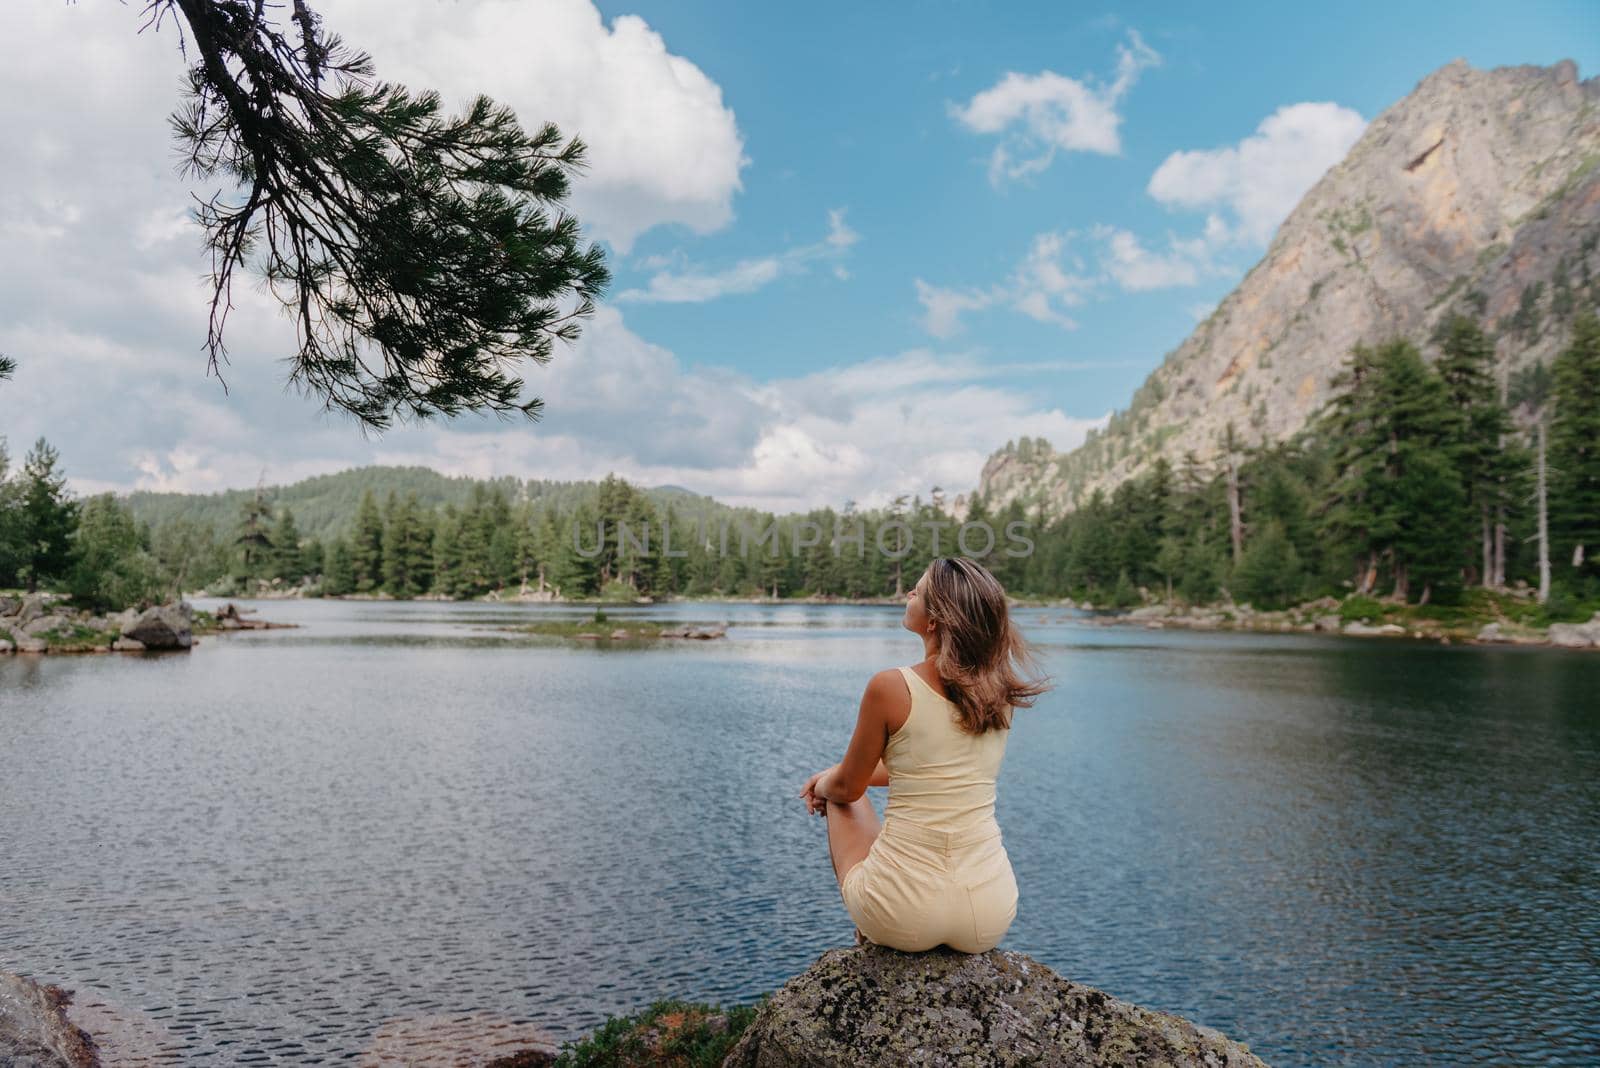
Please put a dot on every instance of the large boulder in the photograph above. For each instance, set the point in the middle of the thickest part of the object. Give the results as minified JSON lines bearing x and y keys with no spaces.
{"x":166,"y":626}
{"x":34,"y":605}
{"x":875,"y":1006}
{"x":24,"y":643}
{"x":1576,"y":635}
{"x":1367,"y":630}
{"x":45,"y":624}
{"x":34,"y":1029}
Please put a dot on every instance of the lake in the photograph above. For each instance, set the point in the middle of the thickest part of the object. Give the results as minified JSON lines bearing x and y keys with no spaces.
{"x":283,"y":843}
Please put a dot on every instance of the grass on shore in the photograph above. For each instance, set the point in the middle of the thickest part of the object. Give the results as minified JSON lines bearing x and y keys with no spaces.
{"x":1476,"y":608}
{"x":668,"y":1034}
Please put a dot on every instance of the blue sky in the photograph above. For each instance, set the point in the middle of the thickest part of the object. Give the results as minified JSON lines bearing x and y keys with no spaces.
{"x":850,"y":108}
{"x":857,"y":247}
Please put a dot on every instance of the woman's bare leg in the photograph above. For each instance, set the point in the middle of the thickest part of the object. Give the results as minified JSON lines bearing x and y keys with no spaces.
{"x":852,"y":828}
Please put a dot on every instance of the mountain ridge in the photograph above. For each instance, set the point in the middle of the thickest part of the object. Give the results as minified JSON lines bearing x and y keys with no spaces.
{"x":1478,"y":192}
{"x":325,"y":505}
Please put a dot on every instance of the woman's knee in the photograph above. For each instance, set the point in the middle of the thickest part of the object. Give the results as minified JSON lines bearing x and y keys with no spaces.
{"x":860,"y":808}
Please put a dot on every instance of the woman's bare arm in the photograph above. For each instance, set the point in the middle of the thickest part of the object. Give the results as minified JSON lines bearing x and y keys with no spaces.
{"x":849,"y":779}
{"x":880,"y":777}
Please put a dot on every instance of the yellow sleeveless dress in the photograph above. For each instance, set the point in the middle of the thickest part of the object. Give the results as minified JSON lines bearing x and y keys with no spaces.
{"x":938,"y":872}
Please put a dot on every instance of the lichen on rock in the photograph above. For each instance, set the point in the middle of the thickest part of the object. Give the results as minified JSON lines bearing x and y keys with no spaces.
{"x":871,"y":1006}
{"x":34,"y":1029}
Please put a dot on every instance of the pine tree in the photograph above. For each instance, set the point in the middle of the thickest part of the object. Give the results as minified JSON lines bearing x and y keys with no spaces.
{"x":285,"y":558}
{"x":407,"y":549}
{"x":447,"y":569}
{"x":49,"y":516}
{"x":366,"y":547}
{"x":1397,"y":495}
{"x":1349,"y":511}
{"x":13,"y":537}
{"x":312,"y":558}
{"x":112,"y":568}
{"x":1574,"y":457}
{"x":1466,"y":366}
{"x":254,"y":539}
{"x":1269,"y":574}
{"x":339,"y":578}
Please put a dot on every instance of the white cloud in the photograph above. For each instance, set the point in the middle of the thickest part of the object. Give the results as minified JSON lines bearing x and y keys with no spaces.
{"x":943,"y":308}
{"x":102,"y":300}
{"x":663,"y":146}
{"x":840,"y":235}
{"x":1040,"y":114}
{"x":615,"y":402}
{"x":691,"y":285}
{"x":1259,"y":181}
{"x":694,"y":287}
{"x":1039,"y":287}
{"x":1137,"y":268}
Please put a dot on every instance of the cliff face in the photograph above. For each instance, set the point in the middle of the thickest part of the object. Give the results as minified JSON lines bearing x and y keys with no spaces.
{"x":1479,"y":192}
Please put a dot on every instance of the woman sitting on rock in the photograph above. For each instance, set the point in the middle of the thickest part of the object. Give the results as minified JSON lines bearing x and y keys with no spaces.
{"x":936,"y":872}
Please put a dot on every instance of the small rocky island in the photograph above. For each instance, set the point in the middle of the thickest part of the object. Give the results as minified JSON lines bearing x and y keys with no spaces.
{"x":599,"y":630}
{"x":40,"y":623}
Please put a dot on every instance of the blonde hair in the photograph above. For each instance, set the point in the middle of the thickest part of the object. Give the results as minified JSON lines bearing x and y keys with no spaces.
{"x":979,"y":646}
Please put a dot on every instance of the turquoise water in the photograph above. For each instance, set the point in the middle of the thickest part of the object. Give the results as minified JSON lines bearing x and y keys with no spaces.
{"x":267,"y":850}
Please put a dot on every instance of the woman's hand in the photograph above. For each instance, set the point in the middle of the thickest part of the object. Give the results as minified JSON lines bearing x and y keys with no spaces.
{"x":808,"y":793}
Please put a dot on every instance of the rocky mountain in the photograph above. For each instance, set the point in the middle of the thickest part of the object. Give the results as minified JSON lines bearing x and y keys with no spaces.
{"x":1479,"y":192}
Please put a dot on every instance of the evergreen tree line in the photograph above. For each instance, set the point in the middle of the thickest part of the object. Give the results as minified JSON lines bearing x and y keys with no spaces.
{"x":619,"y":543}
{"x":1415,"y":482}
{"x":91,"y":549}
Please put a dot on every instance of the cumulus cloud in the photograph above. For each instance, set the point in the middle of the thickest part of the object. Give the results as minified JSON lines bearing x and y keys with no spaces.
{"x":1246,"y":190}
{"x":103,"y":299}
{"x":681,"y":283}
{"x":663,"y":146}
{"x":1041,"y":114}
{"x":1258,"y":181}
{"x":615,"y":402}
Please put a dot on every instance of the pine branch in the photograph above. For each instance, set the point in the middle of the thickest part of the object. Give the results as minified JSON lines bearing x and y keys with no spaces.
{"x":416,"y":253}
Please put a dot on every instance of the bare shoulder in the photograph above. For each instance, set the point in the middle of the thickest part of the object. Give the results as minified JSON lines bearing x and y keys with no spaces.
{"x":887,"y":696}
{"x":888,"y":684}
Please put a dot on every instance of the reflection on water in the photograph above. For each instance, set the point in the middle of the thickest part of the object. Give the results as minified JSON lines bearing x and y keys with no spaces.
{"x":399,"y":821}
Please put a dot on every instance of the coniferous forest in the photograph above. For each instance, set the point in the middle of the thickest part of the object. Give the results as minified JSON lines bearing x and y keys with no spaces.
{"x":1415,"y":484}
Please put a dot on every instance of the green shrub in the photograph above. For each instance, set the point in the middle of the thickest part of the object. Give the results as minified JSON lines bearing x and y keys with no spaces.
{"x":679,"y":1034}
{"x":1356,"y":608}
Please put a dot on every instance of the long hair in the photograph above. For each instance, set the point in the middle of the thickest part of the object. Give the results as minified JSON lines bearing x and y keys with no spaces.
{"x":979,"y":647}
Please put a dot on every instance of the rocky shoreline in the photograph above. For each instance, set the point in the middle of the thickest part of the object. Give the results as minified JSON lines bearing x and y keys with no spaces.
{"x":35,"y":1031}
{"x":41,"y":623}
{"x":1329,"y":616}
{"x":865,"y":1005}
